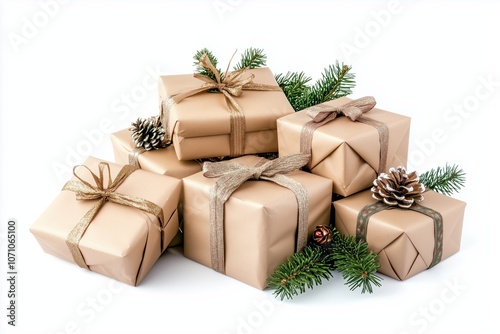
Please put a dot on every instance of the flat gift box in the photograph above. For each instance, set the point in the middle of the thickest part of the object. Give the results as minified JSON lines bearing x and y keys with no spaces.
{"x":344,"y":151}
{"x":200,"y":124}
{"x":404,"y":239}
{"x":121,"y":242}
{"x":260,"y":222}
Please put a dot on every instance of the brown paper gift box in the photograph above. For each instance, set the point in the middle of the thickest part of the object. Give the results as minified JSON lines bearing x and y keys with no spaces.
{"x":121,"y":242}
{"x":344,"y":151}
{"x":404,"y":239}
{"x":260,"y":222}
{"x":162,"y":161}
{"x":201,"y":124}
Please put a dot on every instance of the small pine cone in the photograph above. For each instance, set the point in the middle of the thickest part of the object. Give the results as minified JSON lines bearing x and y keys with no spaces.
{"x":398,"y":188}
{"x":322,"y":235}
{"x":148,"y":133}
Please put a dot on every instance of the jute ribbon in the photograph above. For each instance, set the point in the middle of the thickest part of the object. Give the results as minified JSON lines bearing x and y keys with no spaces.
{"x":85,"y":191}
{"x":371,"y":209}
{"x":231,"y":85}
{"x":354,"y":110}
{"x":231,"y":175}
{"x":133,"y":157}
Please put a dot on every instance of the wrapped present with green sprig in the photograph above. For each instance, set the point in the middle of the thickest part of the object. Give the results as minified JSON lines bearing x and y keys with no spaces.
{"x":215,"y":113}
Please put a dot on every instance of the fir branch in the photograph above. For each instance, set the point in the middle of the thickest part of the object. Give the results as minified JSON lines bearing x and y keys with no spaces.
{"x":336,"y":81}
{"x":302,"y":270}
{"x":445,"y":180}
{"x":252,"y":58}
{"x":294,"y":86}
{"x":202,"y":70}
{"x":357,"y":264}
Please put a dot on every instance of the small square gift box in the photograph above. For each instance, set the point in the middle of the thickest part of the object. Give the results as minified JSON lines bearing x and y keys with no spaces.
{"x":409,"y":237}
{"x":231,"y":114}
{"x":349,"y":141}
{"x":244,"y":217}
{"x":112,"y":219}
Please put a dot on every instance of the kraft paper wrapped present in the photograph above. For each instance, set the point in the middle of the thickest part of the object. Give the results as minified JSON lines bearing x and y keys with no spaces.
{"x":161,"y":161}
{"x":212,"y":124}
{"x":118,"y":230}
{"x":405,"y":240}
{"x":260,"y":225}
{"x":350,"y":153}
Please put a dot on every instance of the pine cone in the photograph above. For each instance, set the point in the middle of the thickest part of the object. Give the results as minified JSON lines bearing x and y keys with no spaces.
{"x":322,"y":235}
{"x":148,"y":133}
{"x":398,"y":188}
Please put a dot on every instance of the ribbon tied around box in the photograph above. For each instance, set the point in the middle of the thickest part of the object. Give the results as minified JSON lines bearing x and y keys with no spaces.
{"x":354,"y":110}
{"x":86,"y":191}
{"x":231,"y":85}
{"x":402,"y":190}
{"x":231,"y":175}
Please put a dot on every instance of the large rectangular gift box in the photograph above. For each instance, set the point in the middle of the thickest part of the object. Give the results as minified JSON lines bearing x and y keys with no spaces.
{"x":260,"y":222}
{"x":345,"y":151}
{"x":404,"y":239}
{"x":200,"y":125}
{"x":130,"y":222}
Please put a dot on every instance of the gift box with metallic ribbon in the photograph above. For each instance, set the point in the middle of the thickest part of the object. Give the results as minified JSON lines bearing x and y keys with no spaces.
{"x":111,"y":219}
{"x":246,"y":216}
{"x":233,"y":115}
{"x":407,"y":241}
{"x":350,"y":141}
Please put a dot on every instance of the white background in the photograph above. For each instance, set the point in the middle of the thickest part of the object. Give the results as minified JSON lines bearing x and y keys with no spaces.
{"x":74,"y":71}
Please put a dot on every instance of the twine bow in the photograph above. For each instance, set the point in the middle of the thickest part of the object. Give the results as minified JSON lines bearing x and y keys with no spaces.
{"x":85,"y":191}
{"x":231,"y":175}
{"x":231,"y":85}
{"x":354,"y":110}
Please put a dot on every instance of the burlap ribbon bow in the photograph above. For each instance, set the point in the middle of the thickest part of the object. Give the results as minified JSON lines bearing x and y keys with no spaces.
{"x":322,"y":114}
{"x":231,"y":175}
{"x":231,"y":85}
{"x":85,"y":191}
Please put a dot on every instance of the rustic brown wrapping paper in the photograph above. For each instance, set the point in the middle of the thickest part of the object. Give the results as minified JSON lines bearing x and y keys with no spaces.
{"x":260,"y":222}
{"x":344,"y":151}
{"x":162,"y":161}
{"x":404,"y":239}
{"x":121,"y":242}
{"x":201,"y":123}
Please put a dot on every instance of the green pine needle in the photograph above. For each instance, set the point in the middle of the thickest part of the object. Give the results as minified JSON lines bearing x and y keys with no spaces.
{"x":357,"y":264}
{"x":301,"y":271}
{"x":446,"y":180}
{"x":252,"y":58}
{"x":294,"y":86}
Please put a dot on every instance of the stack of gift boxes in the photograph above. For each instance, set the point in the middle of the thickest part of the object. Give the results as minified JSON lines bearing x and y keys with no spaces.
{"x":243,"y":215}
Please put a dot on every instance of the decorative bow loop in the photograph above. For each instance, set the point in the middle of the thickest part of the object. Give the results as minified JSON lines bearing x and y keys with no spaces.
{"x":231,"y":175}
{"x":324,"y":113}
{"x":86,"y":191}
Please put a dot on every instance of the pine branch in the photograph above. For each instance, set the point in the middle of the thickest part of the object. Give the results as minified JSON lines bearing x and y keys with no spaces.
{"x":357,"y":264}
{"x":446,"y":180}
{"x":301,"y":271}
{"x":202,"y":70}
{"x":335,"y":82}
{"x":294,"y":86}
{"x":252,"y":58}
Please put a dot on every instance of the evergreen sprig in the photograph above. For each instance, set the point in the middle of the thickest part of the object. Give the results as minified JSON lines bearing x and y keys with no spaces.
{"x":304,"y":270}
{"x":446,"y":180}
{"x":336,"y":81}
{"x":251,"y":58}
{"x":301,"y":271}
{"x":357,"y":264}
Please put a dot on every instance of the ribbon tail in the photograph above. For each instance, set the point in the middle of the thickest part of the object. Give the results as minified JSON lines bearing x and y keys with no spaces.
{"x":77,"y":232}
